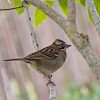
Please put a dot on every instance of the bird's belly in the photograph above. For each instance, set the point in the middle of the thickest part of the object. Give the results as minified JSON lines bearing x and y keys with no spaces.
{"x":47,"y":66}
{"x":34,"y":66}
{"x":51,"y":66}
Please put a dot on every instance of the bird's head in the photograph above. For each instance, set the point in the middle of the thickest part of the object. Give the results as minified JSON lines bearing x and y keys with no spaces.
{"x":61,"y":44}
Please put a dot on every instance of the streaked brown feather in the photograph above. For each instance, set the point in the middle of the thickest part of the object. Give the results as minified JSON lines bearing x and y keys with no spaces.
{"x":48,"y":52}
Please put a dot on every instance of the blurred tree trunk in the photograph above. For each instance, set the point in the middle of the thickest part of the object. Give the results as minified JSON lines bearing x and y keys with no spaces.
{"x":2,"y":88}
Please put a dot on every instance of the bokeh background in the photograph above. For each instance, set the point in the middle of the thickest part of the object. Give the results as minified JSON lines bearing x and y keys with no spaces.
{"x":23,"y":83}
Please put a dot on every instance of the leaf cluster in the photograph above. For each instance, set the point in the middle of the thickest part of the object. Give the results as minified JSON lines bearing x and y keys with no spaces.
{"x":40,"y":16}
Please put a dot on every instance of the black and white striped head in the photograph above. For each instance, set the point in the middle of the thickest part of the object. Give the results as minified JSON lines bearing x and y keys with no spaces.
{"x":61,"y":44}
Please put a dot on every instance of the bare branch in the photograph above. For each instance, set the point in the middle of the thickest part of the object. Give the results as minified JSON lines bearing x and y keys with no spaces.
{"x":94,"y":15}
{"x":52,"y":92}
{"x":33,"y":34}
{"x":11,"y":8}
{"x":50,"y":12}
{"x":72,"y":12}
{"x":81,"y":43}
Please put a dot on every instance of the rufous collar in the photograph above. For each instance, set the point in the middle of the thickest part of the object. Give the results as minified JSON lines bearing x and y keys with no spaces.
{"x":55,"y":46}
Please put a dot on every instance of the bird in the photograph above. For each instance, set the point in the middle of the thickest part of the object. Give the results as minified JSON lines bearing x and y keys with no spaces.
{"x":47,"y":60}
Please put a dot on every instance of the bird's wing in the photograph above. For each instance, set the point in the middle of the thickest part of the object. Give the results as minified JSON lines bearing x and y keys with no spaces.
{"x":45,"y":53}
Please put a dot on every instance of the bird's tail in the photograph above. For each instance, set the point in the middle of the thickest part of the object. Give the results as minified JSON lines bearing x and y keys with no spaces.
{"x":16,"y":59}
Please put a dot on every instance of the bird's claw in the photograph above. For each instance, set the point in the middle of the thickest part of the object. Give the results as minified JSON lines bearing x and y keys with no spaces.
{"x":51,"y":83}
{"x":49,"y":79}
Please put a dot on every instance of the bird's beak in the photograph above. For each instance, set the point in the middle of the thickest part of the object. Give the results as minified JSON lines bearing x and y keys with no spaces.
{"x":67,"y":45}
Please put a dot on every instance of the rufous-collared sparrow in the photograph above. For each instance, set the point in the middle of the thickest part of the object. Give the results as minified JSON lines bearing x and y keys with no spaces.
{"x":48,"y":59}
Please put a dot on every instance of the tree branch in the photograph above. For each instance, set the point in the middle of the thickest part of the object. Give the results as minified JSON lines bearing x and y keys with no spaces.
{"x":80,"y":42}
{"x":94,"y":15}
{"x":33,"y":34}
{"x":71,"y":12}
{"x":11,"y":8}
{"x":50,"y":12}
{"x":52,"y":92}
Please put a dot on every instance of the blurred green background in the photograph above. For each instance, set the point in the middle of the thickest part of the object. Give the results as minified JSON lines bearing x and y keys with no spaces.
{"x":73,"y":92}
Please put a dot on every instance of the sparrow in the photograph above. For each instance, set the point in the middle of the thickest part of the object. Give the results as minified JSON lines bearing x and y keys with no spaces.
{"x":47,"y":60}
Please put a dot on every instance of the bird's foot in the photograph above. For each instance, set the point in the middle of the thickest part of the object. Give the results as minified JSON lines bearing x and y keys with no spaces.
{"x":50,"y":76}
{"x":49,"y":79}
{"x":46,"y":76}
{"x":51,"y":83}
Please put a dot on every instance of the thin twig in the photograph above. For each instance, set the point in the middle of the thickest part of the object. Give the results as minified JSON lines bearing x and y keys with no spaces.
{"x":94,"y":15}
{"x":11,"y":8}
{"x":82,"y":45}
{"x":33,"y":34}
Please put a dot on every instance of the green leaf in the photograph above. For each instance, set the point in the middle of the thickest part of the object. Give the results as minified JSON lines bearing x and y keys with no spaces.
{"x":97,"y":5}
{"x":82,"y":2}
{"x":90,"y":15}
{"x":40,"y":16}
{"x":50,"y":3}
{"x":78,"y":2}
{"x":29,"y":5}
{"x":64,"y":6}
{"x":16,"y":4}
{"x":8,"y":1}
